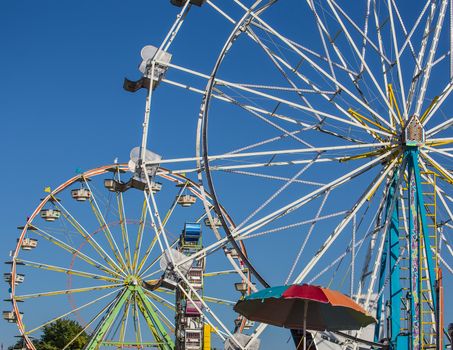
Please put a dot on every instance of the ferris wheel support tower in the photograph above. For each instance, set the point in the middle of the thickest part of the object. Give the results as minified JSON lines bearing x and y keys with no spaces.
{"x":410,"y":252}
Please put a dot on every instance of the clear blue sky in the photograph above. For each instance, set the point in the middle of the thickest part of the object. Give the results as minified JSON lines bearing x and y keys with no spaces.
{"x":62,"y":105}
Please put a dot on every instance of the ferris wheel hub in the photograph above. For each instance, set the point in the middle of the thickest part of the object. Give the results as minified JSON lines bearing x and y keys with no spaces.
{"x":413,"y":133}
{"x":132,"y":280}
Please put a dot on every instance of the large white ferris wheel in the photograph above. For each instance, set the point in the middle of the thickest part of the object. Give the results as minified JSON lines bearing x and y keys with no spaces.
{"x":322,"y":155}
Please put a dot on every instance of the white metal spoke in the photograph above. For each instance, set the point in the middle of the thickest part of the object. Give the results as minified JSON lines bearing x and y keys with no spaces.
{"x":288,"y":208}
{"x":66,"y":270}
{"x":220,"y":82}
{"x":92,"y":321}
{"x":290,"y":226}
{"x":443,"y":96}
{"x":442,"y":126}
{"x":305,"y":199}
{"x":418,"y":69}
{"x":398,"y":63}
{"x":66,"y":291}
{"x":77,"y":309}
{"x":106,"y":229}
{"x":307,"y":237}
{"x":322,"y":71}
{"x":339,"y":229}
{"x":365,"y":65}
{"x":124,"y":230}
{"x":89,"y":238}
{"x":432,"y":52}
{"x":275,"y":152}
{"x":276,"y":193}
{"x":76,"y":252}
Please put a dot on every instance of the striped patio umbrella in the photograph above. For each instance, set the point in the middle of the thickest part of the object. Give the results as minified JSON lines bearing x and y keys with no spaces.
{"x":304,"y":307}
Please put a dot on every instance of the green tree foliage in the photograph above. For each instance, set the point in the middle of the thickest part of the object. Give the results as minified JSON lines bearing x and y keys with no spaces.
{"x":56,"y":335}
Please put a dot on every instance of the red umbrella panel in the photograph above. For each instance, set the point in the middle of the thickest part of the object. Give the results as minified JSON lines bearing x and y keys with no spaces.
{"x":284,"y":306}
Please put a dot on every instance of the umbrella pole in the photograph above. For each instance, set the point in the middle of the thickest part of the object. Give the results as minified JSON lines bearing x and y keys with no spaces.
{"x":305,"y":324}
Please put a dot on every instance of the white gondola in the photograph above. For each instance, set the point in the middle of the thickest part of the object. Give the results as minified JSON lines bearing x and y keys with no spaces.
{"x":29,"y":243}
{"x":10,"y":316}
{"x":195,"y":277}
{"x":81,"y":194}
{"x":242,"y":287}
{"x":50,"y":214}
{"x":110,"y":184}
{"x":186,"y":200}
{"x":193,"y":339}
{"x":8,"y":277}
{"x":156,"y":186}
{"x":215,"y":222}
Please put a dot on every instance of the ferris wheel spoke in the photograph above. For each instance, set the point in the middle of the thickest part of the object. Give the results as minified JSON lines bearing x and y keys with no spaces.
{"x":70,"y":271}
{"x":442,"y":126}
{"x":320,"y":113}
{"x":307,"y":237}
{"x":106,"y":229}
{"x":218,"y":301}
{"x":438,"y":102}
{"x":88,"y":237}
{"x":397,"y":59}
{"x":285,"y":118}
{"x":162,"y":317}
{"x":124,"y":321}
{"x":370,"y":191}
{"x":439,"y":151}
{"x":305,"y":49}
{"x":443,"y":172}
{"x":432,"y":52}
{"x":160,"y":299}
{"x":276,"y":126}
{"x":75,"y":252}
{"x":443,"y":261}
{"x":377,"y":220}
{"x":365,"y":65}
{"x":322,"y":34}
{"x":276,"y":193}
{"x":290,"y":207}
{"x":72,"y":311}
{"x":421,"y":54}
{"x":409,"y":35}
{"x":271,"y":177}
{"x":355,"y":78}
{"x":290,"y":226}
{"x":103,"y":311}
{"x":330,"y":266}
{"x":322,"y":71}
{"x":309,"y":197}
{"x":164,"y":223}
{"x":66,"y":291}
{"x":135,"y":312}
{"x":347,"y":120}
{"x":124,"y":230}
{"x":231,"y":155}
{"x":138,"y":241}
{"x":384,"y":71}
{"x":282,"y":72}
{"x":363,"y":33}
{"x":267,"y":164}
